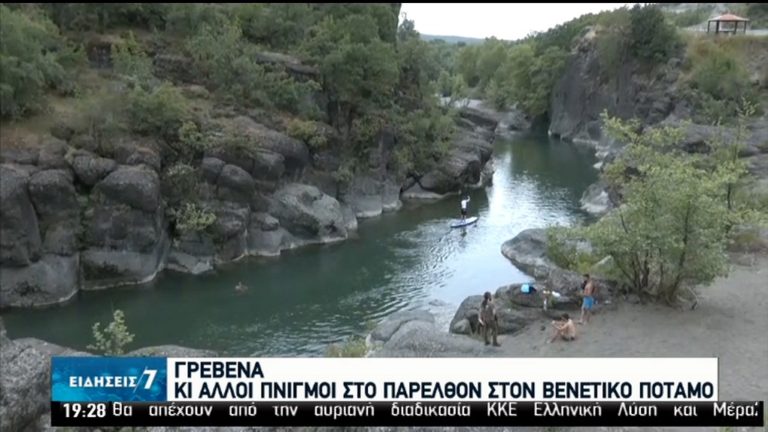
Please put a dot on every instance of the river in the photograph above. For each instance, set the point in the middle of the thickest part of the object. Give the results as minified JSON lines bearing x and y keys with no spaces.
{"x":299,"y":303}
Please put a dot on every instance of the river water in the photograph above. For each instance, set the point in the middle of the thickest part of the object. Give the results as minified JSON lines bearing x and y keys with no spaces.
{"x":299,"y":303}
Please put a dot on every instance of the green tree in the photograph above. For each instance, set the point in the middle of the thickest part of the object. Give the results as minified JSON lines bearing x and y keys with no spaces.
{"x":651,"y":37}
{"x":113,"y":339}
{"x":670,"y":230}
{"x":131,"y":61}
{"x":33,"y":59}
{"x":160,"y":111}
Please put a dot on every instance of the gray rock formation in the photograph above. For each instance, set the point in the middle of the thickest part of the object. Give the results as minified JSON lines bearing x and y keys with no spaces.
{"x":25,"y":380}
{"x":126,"y":240}
{"x":596,"y":199}
{"x":581,"y":94}
{"x":90,"y":169}
{"x":25,"y":388}
{"x":50,"y":280}
{"x":20,"y":242}
{"x":510,"y":319}
{"x":308,"y":213}
{"x":387,"y":328}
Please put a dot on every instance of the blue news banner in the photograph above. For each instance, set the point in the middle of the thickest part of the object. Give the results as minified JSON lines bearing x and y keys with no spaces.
{"x":134,"y":392}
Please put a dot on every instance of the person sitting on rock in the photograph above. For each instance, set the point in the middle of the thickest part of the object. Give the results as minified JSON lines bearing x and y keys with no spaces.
{"x":488,"y":319}
{"x":564,"y":329}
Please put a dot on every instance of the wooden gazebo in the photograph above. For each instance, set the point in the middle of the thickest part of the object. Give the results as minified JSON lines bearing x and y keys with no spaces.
{"x":727,"y":23}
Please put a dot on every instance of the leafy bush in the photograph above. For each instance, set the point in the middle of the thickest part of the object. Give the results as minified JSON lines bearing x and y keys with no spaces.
{"x":160,"y":111}
{"x":718,"y":83}
{"x":131,"y":62}
{"x":352,"y":347}
{"x":114,"y":338}
{"x":562,"y":249}
{"x":309,"y":132}
{"x":32,"y":60}
{"x":192,"y":218}
{"x":180,"y":183}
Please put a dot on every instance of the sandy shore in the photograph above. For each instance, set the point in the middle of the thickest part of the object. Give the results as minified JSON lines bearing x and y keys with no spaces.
{"x":730,"y":322}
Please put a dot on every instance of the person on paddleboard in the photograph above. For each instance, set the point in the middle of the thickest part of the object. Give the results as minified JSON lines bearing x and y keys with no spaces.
{"x":464,"y":204}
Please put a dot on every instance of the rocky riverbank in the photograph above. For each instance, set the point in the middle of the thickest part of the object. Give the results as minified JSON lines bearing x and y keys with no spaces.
{"x":81,"y":215}
{"x":656,"y":98}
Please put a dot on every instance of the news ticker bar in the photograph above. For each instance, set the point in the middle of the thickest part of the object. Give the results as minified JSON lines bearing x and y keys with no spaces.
{"x":477,"y":414}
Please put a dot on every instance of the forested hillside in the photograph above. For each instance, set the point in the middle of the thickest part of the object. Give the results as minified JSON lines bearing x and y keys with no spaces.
{"x":213,"y":131}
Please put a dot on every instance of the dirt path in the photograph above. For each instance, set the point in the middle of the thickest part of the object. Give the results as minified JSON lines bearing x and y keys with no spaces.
{"x":731,"y":323}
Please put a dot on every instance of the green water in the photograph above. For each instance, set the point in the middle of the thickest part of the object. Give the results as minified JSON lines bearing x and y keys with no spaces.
{"x":299,"y":303}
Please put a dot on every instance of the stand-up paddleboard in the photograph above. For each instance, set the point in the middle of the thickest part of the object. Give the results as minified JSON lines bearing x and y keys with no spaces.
{"x":467,"y":222}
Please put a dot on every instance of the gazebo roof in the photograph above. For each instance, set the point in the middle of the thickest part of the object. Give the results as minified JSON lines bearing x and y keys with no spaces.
{"x":728,"y":17}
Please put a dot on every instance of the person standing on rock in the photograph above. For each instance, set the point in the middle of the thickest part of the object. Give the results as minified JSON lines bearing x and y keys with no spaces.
{"x":589,"y":299}
{"x":488,"y":319}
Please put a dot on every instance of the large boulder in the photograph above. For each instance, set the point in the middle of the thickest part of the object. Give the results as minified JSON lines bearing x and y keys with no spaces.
{"x":308,"y":213}
{"x":52,"y":153}
{"x":294,"y":152}
{"x":124,"y":245}
{"x":235,"y":184}
{"x":265,"y":236}
{"x":25,"y":380}
{"x":421,"y":338}
{"x":387,"y":328}
{"x":192,"y":253}
{"x":20,"y":242}
{"x":510,"y":320}
{"x":135,"y":186}
{"x":364,"y":195}
{"x":596,"y":199}
{"x":53,"y":195}
{"x":466,"y":319}
{"x":229,"y":230}
{"x":463,"y":165}
{"x":90,"y":169}
{"x":53,"y":279}
{"x":528,"y":252}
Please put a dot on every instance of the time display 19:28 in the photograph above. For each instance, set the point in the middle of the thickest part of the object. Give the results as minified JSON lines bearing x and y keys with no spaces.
{"x":85,"y":410}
